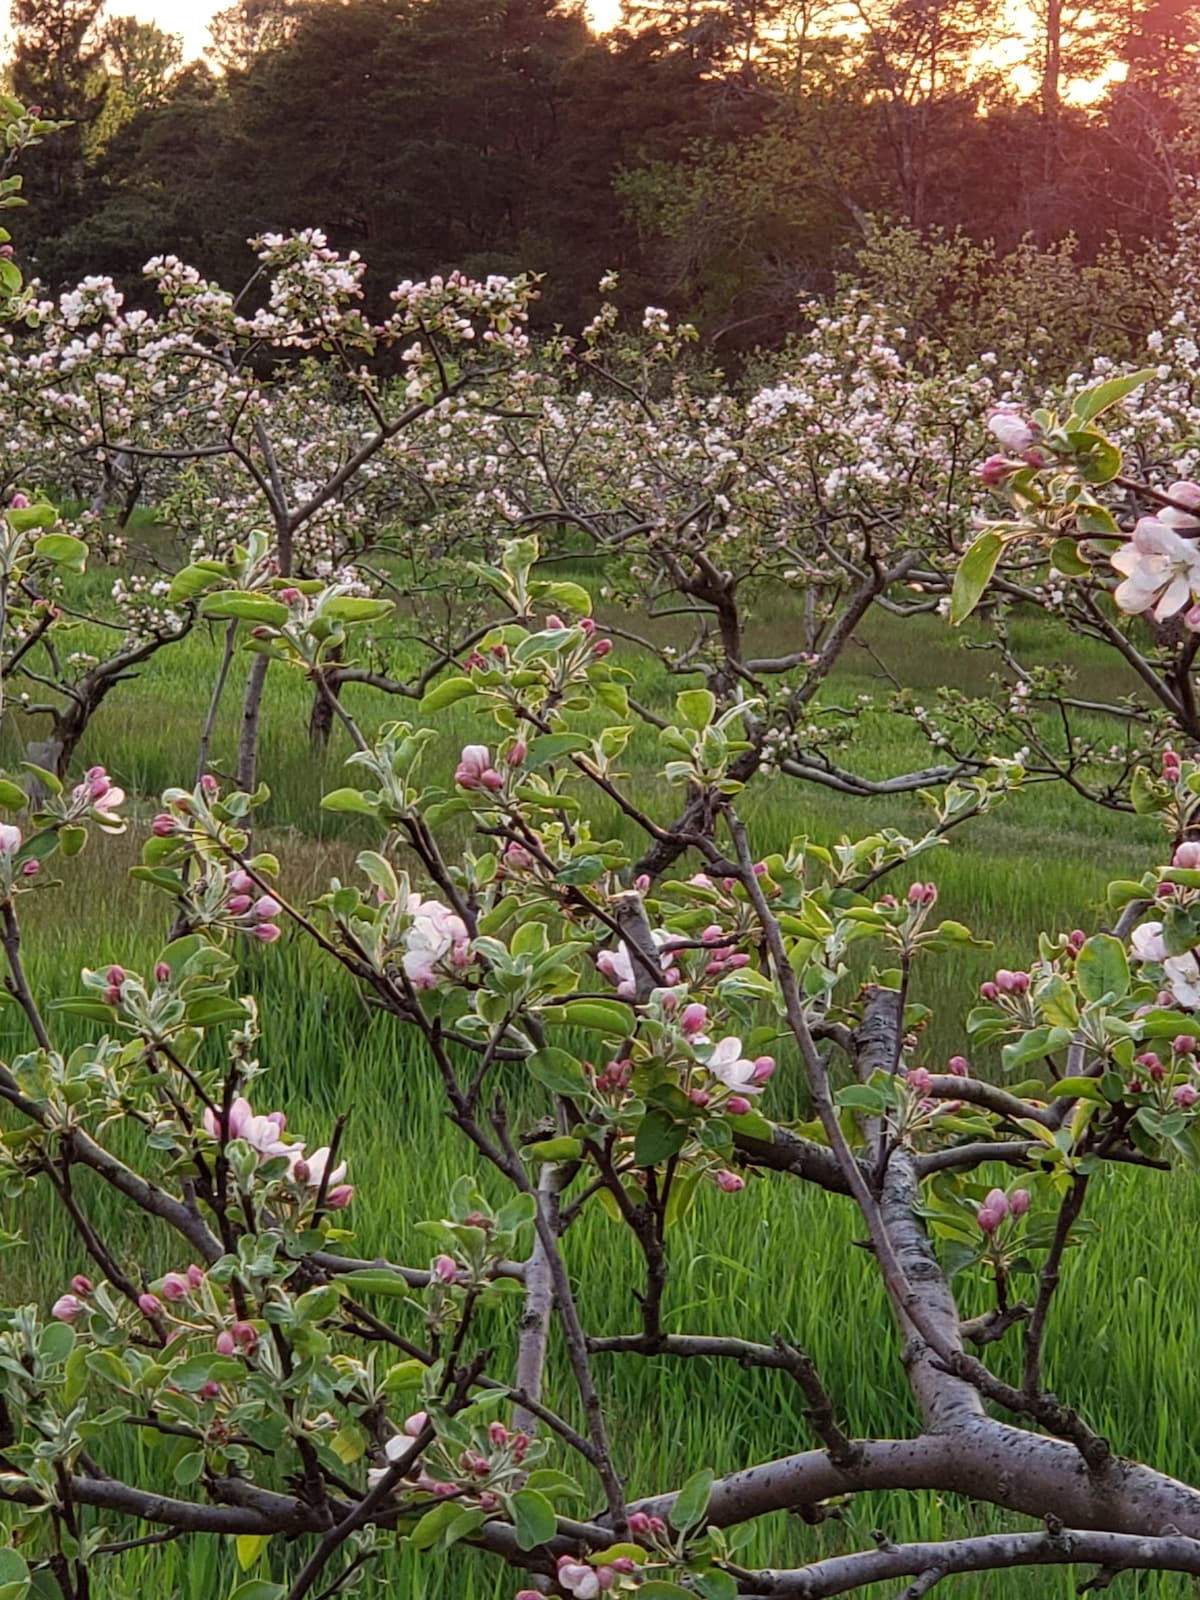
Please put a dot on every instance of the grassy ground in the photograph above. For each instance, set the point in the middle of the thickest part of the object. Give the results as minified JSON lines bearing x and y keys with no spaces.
{"x":1123,"y":1344}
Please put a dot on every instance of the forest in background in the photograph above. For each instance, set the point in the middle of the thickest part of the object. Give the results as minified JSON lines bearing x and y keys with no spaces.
{"x":725,"y":158}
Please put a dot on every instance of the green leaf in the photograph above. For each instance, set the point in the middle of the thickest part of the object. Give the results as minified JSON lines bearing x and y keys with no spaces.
{"x":190,"y":581}
{"x":446,"y":693}
{"x":660,"y":1589}
{"x":62,"y":550}
{"x":658,"y":1137}
{"x":974,"y":574}
{"x":557,"y":1071}
{"x":599,"y":1016}
{"x":349,"y":800}
{"x":534,"y":1518}
{"x":258,"y":1589}
{"x":189,"y":1467}
{"x":432,"y":1525}
{"x":1101,"y":968}
{"x":715,"y":1585}
{"x":249,"y":1547}
{"x":243,"y":606}
{"x":573,"y":595}
{"x":1092,"y":402}
{"x":373,"y":1280}
{"x":1030,"y":1046}
{"x":356,"y":608}
{"x":12,"y":796}
{"x":696,"y":708}
{"x":562,"y":1149}
{"x":692,"y":1501}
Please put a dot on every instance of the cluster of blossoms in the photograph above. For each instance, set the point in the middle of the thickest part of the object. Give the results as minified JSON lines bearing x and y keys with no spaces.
{"x":264,"y":1134}
{"x":479,"y":1473}
{"x":998,"y":1206}
{"x":437,"y":943}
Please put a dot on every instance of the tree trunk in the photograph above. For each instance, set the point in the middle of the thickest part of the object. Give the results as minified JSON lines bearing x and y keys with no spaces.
{"x":247,"y":761}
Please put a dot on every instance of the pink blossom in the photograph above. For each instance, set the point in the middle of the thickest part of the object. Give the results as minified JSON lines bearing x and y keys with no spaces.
{"x":149,"y":1304}
{"x":175,"y":1286}
{"x":434,"y":933}
{"x":516,"y":753}
{"x":472,"y":764}
{"x":959,"y":1066}
{"x":491,"y":780}
{"x":238,"y":904}
{"x":554,"y":623}
{"x":579,"y":1581}
{"x":920,"y":1080}
{"x":1159,"y":567}
{"x":498,"y":1434}
{"x":1185,"y":1096}
{"x":209,"y":785}
{"x":639,"y":1522}
{"x":1185,"y":1045}
{"x":729,"y":1182}
{"x":267,"y":932}
{"x":414,"y":1426}
{"x":162,"y":972}
{"x":67,"y":1308}
{"x":1187,"y":854}
{"x":340,"y":1196}
{"x":602,"y":647}
{"x":737,"y":1105}
{"x":10,"y":838}
{"x":195,"y":1275}
{"x":241,"y":882}
{"x":81,"y":1284}
{"x":1018,"y":1202}
{"x":31,"y":868}
{"x":266,"y":907}
{"x":445,"y":1268}
{"x":226,"y":1346}
{"x":764,"y":1068}
{"x":245,"y":1334}
{"x":289,"y":596}
{"x":116,"y":975}
{"x":20,"y":502}
{"x":1011,"y":429}
{"x":730,"y":1067}
{"x":314,"y":1166}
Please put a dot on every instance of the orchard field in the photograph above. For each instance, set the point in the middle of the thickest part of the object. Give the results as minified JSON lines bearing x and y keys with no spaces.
{"x":601,"y":957}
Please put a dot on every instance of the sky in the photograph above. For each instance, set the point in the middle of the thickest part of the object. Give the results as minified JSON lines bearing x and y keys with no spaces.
{"x":190,"y":17}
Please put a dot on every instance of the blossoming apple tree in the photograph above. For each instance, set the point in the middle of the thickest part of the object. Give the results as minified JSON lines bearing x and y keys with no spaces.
{"x":317,"y":1405}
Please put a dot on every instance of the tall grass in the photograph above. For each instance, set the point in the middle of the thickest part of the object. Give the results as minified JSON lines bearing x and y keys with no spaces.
{"x":777,"y":1258}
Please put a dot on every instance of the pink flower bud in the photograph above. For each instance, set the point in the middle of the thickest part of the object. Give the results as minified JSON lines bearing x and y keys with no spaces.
{"x":989,"y":990}
{"x":340,"y":1196}
{"x":1019,"y":1201}
{"x":195,"y":1275}
{"x":67,"y":1308}
{"x":246,"y":1335}
{"x":266,"y":907}
{"x":642,"y":882}
{"x":738,"y":960}
{"x":415,"y":1425}
{"x":209,"y":785}
{"x":699,"y":1097}
{"x":209,"y":1390}
{"x":498,"y":1434}
{"x":31,"y":868}
{"x":301,"y":1171}
{"x":175,"y":1286}
{"x":639,"y":1522}
{"x":517,"y":753}
{"x":764,"y":1068}
{"x":163,"y":825}
{"x":162,"y":973}
{"x":988,"y":1219}
{"x":920,"y":1080}
{"x":1184,"y":1044}
{"x":1187,"y":854}
{"x":20,"y":502}
{"x":601,"y":648}
{"x":289,"y":596}
{"x":605,"y":1577}
{"x":520,"y":1444}
{"x":588,"y":624}
{"x":1185,"y":1096}
{"x":446,"y":1269}
{"x":694,"y":1018}
{"x":491,"y":779}
{"x":241,"y":882}
{"x":623,"y":1564}
{"x":112,"y":995}
{"x":729,"y":1182}
{"x":266,"y":932}
{"x":737,"y":1105}
{"x":994,"y":470}
{"x":554,"y":623}
{"x":149,"y":1304}
{"x":81,"y":1284}
{"x":238,"y":904}
{"x":225,"y":1343}
{"x":959,"y":1066}
{"x":115,"y":975}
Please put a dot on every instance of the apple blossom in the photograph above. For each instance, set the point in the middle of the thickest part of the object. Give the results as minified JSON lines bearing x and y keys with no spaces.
{"x":67,"y":1308}
{"x":10,"y":838}
{"x":1011,"y":429}
{"x":1161,"y":570}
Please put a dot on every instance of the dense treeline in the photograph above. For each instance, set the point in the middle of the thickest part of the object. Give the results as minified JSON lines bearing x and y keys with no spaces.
{"x":722,"y":156}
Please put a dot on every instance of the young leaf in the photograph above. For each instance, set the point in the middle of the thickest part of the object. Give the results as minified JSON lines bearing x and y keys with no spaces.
{"x":974,"y":574}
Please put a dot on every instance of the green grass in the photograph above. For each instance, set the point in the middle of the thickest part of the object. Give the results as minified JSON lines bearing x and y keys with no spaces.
{"x":776,"y":1258}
